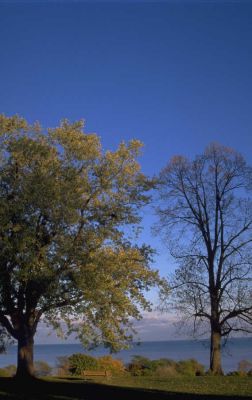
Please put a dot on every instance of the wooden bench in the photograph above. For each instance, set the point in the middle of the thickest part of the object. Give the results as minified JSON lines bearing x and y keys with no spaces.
{"x":89,"y":373}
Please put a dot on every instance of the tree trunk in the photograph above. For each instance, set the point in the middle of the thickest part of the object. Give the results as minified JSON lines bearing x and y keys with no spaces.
{"x":25,"y":367}
{"x":215,"y":353}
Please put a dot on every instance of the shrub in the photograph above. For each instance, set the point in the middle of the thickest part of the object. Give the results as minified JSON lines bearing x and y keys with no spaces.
{"x":115,"y":366}
{"x":4,"y":373}
{"x":63,"y":365}
{"x":8,"y":371}
{"x":140,"y":366}
{"x":190,"y":367}
{"x":244,"y":366}
{"x":42,"y":368}
{"x":166,"y":371}
{"x":162,"y":363}
{"x":144,"y":366}
{"x":236,"y":373}
{"x":244,"y":369}
{"x":164,"y":367}
{"x":79,"y":362}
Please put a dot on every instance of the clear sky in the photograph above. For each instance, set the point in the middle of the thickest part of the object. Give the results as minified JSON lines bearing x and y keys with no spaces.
{"x":174,"y":74}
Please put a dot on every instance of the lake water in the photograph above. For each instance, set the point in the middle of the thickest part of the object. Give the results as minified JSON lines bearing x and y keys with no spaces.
{"x":238,"y":349}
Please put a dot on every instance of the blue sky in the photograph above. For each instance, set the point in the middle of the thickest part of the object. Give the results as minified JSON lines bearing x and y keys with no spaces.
{"x":174,"y":74}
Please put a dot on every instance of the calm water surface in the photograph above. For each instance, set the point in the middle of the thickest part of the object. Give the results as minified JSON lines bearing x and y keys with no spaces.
{"x":237,"y":350}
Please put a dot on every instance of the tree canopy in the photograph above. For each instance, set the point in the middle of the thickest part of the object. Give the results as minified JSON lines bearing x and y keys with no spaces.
{"x":64,"y":254}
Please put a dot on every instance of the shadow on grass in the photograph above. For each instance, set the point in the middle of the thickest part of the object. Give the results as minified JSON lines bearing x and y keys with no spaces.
{"x":48,"y":390}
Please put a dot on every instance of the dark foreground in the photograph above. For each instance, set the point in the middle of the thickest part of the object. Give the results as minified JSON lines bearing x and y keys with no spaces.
{"x":72,"y":389}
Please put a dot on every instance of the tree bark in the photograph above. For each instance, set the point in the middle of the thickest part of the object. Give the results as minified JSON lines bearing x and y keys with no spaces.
{"x":25,"y":367}
{"x":215,"y":353}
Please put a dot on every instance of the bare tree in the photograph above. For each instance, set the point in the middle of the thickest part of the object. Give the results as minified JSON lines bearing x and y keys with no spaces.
{"x":205,"y":213}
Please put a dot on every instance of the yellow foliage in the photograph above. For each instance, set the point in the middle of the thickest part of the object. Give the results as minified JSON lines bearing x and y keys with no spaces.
{"x":114,"y":365}
{"x":64,"y":252}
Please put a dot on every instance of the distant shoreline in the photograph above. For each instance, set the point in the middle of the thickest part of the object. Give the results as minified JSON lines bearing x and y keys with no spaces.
{"x":236,"y":350}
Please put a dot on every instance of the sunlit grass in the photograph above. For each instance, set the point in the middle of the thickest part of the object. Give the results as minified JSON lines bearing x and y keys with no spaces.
{"x":224,"y":385}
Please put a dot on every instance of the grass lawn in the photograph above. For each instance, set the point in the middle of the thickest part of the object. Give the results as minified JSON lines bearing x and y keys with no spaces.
{"x":129,"y":388}
{"x":207,"y":385}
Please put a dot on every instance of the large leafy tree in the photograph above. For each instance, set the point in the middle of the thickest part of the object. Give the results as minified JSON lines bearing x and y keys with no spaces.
{"x":206,"y":216}
{"x":64,"y":255}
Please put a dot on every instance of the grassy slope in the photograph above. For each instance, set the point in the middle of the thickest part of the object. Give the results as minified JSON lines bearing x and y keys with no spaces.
{"x":210,"y":385}
{"x":198,"y":388}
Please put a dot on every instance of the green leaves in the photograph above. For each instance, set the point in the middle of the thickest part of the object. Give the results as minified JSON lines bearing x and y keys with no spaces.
{"x":64,"y":254}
